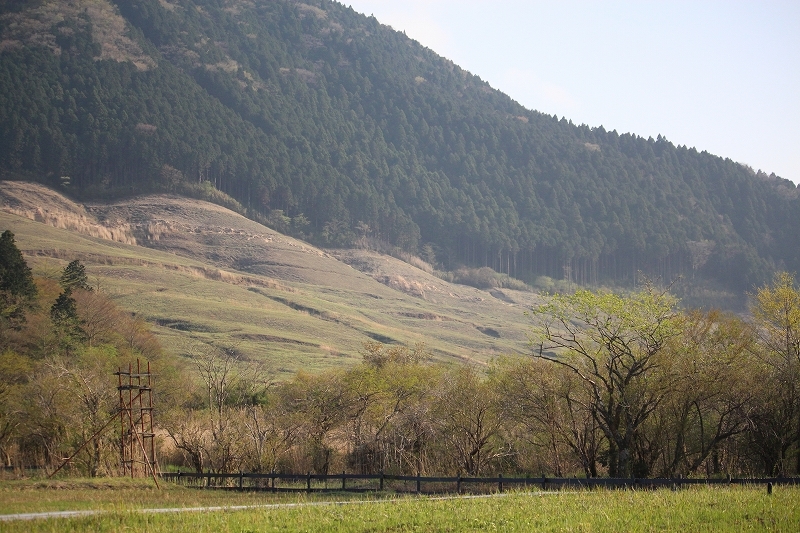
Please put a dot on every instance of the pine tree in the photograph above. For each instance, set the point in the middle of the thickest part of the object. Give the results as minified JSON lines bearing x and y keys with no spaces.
{"x":66,"y":322}
{"x":15,"y":275}
{"x":17,"y":289}
{"x":74,"y":276}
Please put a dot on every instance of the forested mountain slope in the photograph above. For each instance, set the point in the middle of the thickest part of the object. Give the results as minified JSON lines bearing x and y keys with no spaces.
{"x":334,"y":127}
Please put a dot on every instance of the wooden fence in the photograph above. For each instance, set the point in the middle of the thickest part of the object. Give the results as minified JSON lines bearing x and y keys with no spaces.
{"x":276,"y":482}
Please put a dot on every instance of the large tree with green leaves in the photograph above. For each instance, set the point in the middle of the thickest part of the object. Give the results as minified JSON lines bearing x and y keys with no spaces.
{"x":615,"y":345}
{"x":776,"y":313}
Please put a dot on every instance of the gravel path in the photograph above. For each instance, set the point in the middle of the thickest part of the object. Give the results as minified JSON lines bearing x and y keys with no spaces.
{"x":92,"y":512}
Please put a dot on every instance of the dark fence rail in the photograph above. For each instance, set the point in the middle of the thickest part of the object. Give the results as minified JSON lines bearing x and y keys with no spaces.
{"x":277,"y":482}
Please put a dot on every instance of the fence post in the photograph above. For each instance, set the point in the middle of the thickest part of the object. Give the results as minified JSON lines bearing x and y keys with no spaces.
{"x":272,"y":478}
{"x":544,"y":482}
{"x":343,"y":478}
{"x":769,"y":488}
{"x":241,"y":479}
{"x":500,"y":482}
{"x":419,"y":482}
{"x":308,"y":482}
{"x":458,"y":484}
{"x":381,"y":483}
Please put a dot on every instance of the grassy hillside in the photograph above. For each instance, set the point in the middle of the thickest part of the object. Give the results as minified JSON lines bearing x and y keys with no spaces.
{"x":203,"y":274}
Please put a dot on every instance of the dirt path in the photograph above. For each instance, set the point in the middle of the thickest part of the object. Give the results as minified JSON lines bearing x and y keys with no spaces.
{"x":92,"y":512}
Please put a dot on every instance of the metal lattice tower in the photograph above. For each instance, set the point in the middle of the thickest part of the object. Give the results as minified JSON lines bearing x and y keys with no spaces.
{"x":137,"y":439}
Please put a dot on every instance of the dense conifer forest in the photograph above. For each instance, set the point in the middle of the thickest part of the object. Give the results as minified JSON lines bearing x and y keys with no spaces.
{"x":335,"y":128}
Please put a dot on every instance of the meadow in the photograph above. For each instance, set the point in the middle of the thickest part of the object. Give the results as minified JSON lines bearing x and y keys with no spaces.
{"x":126,"y":501}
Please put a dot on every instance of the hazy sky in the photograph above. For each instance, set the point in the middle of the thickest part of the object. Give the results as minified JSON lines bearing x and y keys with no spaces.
{"x":721,"y":76}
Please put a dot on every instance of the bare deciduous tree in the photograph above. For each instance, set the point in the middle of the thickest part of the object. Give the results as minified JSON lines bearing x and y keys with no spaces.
{"x":615,"y":345}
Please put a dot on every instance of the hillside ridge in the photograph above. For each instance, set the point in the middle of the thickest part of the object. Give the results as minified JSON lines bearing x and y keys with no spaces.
{"x":213,"y":277}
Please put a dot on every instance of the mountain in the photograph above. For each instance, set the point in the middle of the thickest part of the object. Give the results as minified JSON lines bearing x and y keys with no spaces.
{"x":206,"y":276}
{"x":326,"y":124}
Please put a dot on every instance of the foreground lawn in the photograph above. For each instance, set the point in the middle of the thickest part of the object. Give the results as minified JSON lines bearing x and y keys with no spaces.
{"x":691,"y":509}
{"x":34,"y":496}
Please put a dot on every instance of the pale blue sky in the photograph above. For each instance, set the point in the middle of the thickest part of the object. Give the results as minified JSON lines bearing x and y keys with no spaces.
{"x":722,"y":76}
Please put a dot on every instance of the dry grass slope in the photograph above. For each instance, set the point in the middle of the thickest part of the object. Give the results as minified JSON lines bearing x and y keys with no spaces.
{"x":206,"y":275}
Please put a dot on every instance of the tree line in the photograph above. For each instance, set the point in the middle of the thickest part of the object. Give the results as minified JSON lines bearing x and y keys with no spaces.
{"x":614,"y":385}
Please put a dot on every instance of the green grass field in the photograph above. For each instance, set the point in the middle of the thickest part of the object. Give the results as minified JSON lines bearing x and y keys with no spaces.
{"x":690,"y":510}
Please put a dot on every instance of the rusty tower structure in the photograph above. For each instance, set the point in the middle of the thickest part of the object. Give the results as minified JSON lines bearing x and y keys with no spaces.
{"x":137,"y":439}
